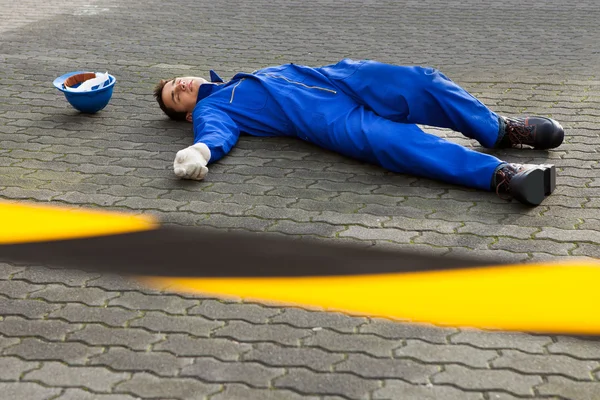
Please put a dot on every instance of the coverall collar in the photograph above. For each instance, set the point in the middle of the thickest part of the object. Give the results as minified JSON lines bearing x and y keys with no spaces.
{"x":215,"y":78}
{"x":206,"y":89}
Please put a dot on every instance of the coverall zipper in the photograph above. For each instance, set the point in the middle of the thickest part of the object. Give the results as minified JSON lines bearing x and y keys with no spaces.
{"x":233,"y":91}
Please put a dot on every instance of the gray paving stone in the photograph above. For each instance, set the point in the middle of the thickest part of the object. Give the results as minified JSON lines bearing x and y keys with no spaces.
{"x":78,"y":394}
{"x":103,"y":200}
{"x":121,"y":191}
{"x":456,"y":240}
{"x":6,"y":342}
{"x":29,"y":194}
{"x":160,"y":363}
{"x":332,"y":205}
{"x":504,"y":396}
{"x":98,"y":169}
{"x":281,"y":213}
{"x":166,"y":303}
{"x":7,"y":270}
{"x":245,"y":332}
{"x":494,"y":256}
{"x":387,"y":368}
{"x":279,"y":356}
{"x":265,"y":170}
{"x":57,"y":374}
{"x":282,"y":181}
{"x":285,"y":154}
{"x":27,"y":390}
{"x":372,"y":221}
{"x":534,"y":221}
{"x":583,"y":348}
{"x":588,"y":250}
{"x":100,"y":335}
{"x":457,"y":354}
{"x":264,"y":200}
{"x":27,"y":308}
{"x":382,"y":199}
{"x":394,"y":235}
{"x":310,"y":193}
{"x":205,"y":196}
{"x":397,"y":330}
{"x":572,"y":390}
{"x":239,"y":222}
{"x":126,"y":180}
{"x":139,"y":203}
{"x":540,"y":245}
{"x":308,"y":382}
{"x":46,"y":275}
{"x":396,"y":389}
{"x":65,"y":294}
{"x":569,"y":235}
{"x":241,"y":392}
{"x":145,"y":385}
{"x":203,"y":207}
{"x":113,"y":316}
{"x":590,"y":224}
{"x":310,"y":319}
{"x":423,"y":224}
{"x":515,"y":231}
{"x":546,"y":365}
{"x":35,"y":349}
{"x":400,"y":191}
{"x":218,"y":310}
{"x":18,"y":289}
{"x":253,"y":374}
{"x":489,"y":380}
{"x":47,"y":329}
{"x":159,"y":322}
{"x":188,"y":346}
{"x":502,"y":340}
{"x":311,"y":176}
{"x":313,"y":228}
{"x":358,"y":343}
{"x":352,"y":166}
{"x":81,"y":187}
{"x":12,"y":368}
{"x":116,"y":283}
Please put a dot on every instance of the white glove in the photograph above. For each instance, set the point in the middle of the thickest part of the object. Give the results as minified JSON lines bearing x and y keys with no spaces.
{"x":190,"y":163}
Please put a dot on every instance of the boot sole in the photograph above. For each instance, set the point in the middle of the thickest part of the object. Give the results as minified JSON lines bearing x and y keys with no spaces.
{"x":532,"y":186}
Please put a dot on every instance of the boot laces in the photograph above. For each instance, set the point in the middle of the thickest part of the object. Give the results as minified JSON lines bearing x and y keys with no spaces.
{"x":518,"y":132}
{"x":505,"y":174}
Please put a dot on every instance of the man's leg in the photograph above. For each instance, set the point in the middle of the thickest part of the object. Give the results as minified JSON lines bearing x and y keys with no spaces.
{"x":425,"y":96}
{"x":405,"y":148}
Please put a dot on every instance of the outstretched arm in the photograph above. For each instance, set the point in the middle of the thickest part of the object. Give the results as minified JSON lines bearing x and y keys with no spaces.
{"x":215,"y":133}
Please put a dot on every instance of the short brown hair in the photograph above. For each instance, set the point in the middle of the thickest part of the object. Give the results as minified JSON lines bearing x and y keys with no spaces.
{"x":176,"y":115}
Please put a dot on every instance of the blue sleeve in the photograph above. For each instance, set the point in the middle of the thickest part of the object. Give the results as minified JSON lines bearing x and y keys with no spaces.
{"x":215,"y":129}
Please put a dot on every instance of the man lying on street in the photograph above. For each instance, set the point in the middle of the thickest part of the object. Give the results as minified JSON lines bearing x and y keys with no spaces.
{"x":366,"y":110}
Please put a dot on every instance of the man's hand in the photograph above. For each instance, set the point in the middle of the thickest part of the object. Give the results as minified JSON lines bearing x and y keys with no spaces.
{"x":190,"y":163}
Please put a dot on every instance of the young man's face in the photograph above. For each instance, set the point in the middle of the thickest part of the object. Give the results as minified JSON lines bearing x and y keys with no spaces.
{"x":180,"y":94}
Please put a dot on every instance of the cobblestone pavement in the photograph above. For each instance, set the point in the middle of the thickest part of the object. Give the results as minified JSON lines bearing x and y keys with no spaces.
{"x":67,"y":335}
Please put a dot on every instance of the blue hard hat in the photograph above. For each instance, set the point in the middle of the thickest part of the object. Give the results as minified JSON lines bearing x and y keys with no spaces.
{"x":90,"y":101}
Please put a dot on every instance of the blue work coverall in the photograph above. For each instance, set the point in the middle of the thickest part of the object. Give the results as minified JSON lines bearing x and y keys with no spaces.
{"x":362,"y":109}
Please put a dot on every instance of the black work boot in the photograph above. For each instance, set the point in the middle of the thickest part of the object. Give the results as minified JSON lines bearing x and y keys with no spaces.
{"x":529,"y":184}
{"x":539,"y":132}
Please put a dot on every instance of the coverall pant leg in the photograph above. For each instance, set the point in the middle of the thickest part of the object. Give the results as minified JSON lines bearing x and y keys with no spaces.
{"x":416,"y":95}
{"x":405,"y":148}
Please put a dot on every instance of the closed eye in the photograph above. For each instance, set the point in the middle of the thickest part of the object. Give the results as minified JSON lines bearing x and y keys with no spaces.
{"x":173,"y":90}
